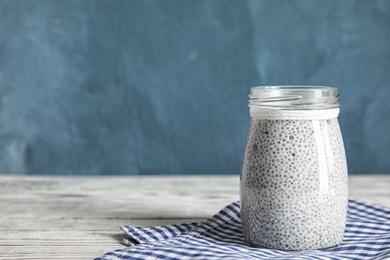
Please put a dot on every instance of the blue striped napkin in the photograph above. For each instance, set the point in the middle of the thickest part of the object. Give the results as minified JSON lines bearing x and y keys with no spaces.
{"x":367,"y":236}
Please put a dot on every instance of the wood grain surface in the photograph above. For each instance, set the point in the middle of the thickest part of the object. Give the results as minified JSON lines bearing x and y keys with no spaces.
{"x":69,"y":217}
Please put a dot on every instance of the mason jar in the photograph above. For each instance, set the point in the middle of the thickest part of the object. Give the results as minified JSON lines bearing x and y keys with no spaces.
{"x":293,"y":182}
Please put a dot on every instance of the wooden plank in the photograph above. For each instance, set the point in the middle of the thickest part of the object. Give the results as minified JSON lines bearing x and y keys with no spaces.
{"x":67,"y":224}
{"x":79,"y":217}
{"x":116,"y":197}
{"x":68,"y":217}
{"x":373,"y":189}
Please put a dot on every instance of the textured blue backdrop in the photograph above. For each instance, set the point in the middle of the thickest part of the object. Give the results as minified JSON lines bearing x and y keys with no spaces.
{"x":140,"y":87}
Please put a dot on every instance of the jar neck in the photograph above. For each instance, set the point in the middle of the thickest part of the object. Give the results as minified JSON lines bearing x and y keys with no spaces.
{"x":322,"y":114}
{"x":294,"y":102}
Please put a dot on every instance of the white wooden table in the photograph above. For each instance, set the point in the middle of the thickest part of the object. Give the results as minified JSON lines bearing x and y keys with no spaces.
{"x":71,"y":217}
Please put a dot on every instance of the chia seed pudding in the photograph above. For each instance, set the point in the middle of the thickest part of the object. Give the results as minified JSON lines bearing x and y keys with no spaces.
{"x":293,"y":187}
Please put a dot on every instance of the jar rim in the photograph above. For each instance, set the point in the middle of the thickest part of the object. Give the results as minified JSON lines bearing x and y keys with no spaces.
{"x":293,"y":87}
{"x":294,"y":97}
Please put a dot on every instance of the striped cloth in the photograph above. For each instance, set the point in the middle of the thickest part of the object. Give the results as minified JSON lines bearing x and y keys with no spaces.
{"x":367,"y":236}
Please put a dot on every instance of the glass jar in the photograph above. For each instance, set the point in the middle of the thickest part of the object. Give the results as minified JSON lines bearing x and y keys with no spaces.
{"x":293,"y":183}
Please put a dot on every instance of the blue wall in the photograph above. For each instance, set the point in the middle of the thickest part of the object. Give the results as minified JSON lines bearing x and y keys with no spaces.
{"x":161,"y":87}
